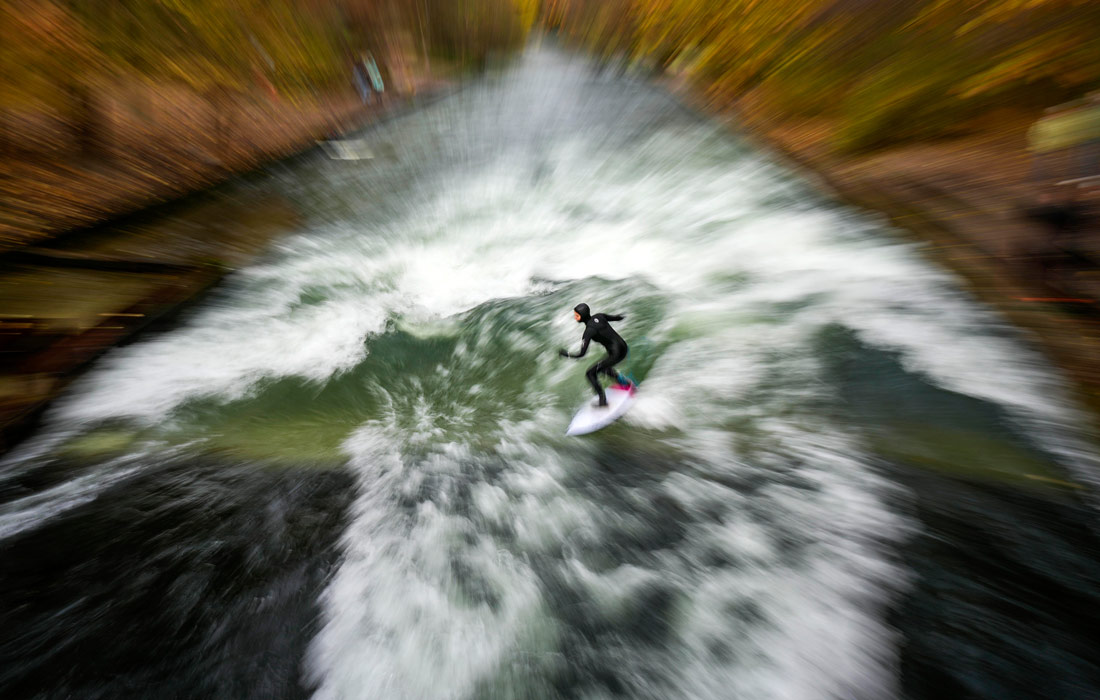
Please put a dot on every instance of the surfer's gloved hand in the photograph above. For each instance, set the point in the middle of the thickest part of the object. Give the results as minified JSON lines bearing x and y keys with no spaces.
{"x":563,"y":353}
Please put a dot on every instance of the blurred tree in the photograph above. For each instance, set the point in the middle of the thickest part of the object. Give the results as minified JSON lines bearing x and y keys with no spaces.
{"x":1031,"y":41}
{"x":62,"y":55}
{"x":888,"y":71}
{"x":217,"y":48}
{"x":463,"y":31}
{"x":49,"y":62}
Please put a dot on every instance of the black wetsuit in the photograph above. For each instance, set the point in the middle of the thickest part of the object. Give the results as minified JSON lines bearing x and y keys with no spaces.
{"x":597,"y":328}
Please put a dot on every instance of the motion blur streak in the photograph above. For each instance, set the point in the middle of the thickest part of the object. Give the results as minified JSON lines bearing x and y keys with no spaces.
{"x":871,"y":74}
{"x":345,"y":474}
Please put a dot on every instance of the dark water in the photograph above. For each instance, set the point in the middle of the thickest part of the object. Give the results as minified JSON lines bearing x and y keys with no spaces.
{"x":345,"y":474}
{"x":197,"y":578}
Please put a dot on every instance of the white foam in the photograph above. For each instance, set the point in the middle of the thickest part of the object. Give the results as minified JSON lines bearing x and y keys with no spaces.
{"x":223,"y":354}
{"x":461,"y":493}
{"x":400,"y":624}
{"x":29,"y":512}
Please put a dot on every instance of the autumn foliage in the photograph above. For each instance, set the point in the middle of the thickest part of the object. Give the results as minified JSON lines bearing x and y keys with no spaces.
{"x":885,"y":71}
{"x":57,"y":57}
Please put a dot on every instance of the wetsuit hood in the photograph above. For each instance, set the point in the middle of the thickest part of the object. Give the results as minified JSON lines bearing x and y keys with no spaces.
{"x":584,"y":311}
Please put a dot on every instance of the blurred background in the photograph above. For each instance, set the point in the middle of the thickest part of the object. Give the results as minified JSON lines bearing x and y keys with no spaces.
{"x":282,"y":284}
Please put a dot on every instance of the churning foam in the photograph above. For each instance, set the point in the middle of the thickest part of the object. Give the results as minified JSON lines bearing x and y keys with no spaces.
{"x":490,"y":557}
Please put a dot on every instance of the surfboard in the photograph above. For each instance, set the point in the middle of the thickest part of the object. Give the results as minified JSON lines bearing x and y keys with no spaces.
{"x":592,"y":417}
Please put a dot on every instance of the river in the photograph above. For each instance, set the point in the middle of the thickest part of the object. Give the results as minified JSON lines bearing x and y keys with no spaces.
{"x":344,"y":474}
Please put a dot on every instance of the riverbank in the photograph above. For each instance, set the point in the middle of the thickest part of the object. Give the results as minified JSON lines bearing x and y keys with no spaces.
{"x":967,"y":199}
{"x":849,"y":489}
{"x":182,"y":150}
{"x":72,"y":295}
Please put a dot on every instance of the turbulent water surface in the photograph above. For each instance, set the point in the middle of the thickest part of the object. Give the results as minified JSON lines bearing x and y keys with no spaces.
{"x":345,"y":474}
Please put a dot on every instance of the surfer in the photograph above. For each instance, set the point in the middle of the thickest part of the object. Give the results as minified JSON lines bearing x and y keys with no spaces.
{"x":596,"y":327}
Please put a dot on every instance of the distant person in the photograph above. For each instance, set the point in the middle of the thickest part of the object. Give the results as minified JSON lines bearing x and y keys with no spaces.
{"x":361,"y":85}
{"x":370,"y":66}
{"x":598,"y":328}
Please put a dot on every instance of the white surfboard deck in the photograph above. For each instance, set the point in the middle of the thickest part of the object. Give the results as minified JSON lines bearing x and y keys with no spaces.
{"x":592,"y":417}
